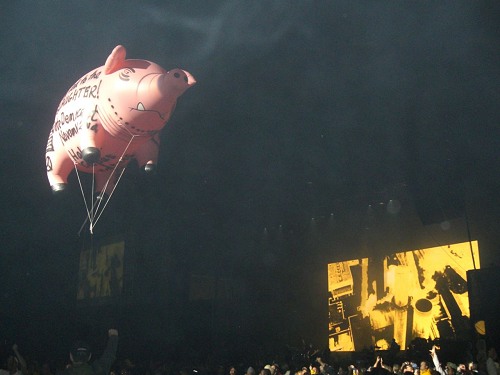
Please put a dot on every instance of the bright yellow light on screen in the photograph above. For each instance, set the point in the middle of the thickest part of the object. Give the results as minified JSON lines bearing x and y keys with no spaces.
{"x":416,"y":293}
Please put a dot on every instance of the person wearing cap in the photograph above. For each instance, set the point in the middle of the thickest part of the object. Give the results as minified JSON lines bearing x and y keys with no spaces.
{"x":81,"y":355}
{"x":450,"y":368}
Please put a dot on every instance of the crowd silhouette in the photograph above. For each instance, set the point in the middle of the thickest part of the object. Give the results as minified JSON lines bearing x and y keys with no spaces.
{"x":423,"y":357}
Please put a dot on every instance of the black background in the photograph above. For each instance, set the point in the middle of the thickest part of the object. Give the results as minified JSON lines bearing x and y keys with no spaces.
{"x":307,"y":119}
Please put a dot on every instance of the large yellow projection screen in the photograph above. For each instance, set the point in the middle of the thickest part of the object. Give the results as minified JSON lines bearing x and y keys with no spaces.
{"x":418,"y":293}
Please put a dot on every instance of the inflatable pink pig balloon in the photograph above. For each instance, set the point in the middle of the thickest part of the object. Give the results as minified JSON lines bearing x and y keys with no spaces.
{"x":111,"y":115}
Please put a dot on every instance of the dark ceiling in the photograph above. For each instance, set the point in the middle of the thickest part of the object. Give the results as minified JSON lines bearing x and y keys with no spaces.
{"x":302,"y":110}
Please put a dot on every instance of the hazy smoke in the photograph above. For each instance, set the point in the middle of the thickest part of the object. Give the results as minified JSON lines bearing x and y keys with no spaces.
{"x":229,"y":24}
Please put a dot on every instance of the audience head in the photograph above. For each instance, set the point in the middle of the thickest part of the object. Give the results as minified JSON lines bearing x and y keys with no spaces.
{"x":472,"y":366}
{"x":407,"y":368}
{"x":424,"y":365}
{"x":450,"y":368}
{"x":80,"y":353}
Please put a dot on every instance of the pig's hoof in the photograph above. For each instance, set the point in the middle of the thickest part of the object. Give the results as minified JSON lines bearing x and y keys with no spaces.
{"x":150,"y":168}
{"x":58,"y":189}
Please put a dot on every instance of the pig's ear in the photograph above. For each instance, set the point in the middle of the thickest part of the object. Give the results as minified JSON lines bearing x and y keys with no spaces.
{"x":115,"y":60}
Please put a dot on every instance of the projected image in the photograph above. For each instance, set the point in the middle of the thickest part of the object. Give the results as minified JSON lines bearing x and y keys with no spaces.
{"x":101,"y":272}
{"x":419,"y":293}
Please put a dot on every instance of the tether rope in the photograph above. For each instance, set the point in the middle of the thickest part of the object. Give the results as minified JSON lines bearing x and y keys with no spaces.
{"x":94,"y":212}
